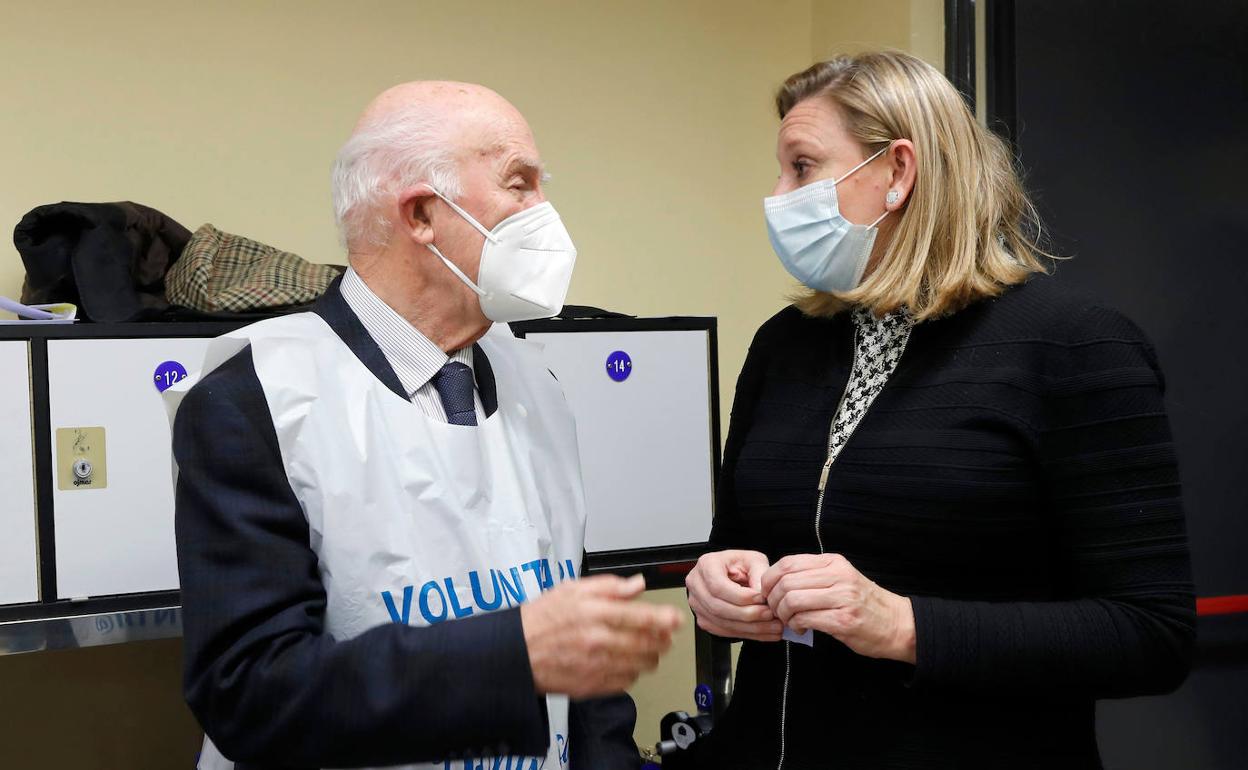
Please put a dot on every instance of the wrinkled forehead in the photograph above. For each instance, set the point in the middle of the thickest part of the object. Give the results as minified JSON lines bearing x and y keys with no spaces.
{"x":498,"y":137}
{"x":813,"y":122}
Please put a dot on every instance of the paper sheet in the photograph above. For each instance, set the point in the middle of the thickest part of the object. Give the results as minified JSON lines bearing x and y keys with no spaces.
{"x":807,"y":638}
{"x":58,"y":312}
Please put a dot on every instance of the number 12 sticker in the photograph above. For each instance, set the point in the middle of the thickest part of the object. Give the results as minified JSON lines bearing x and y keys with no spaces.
{"x":168,"y":374}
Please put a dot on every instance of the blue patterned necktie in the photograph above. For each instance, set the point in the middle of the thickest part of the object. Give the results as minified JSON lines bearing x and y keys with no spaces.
{"x":454,"y":383}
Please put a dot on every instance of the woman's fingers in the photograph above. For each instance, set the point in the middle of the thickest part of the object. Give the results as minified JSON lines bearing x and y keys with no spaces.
{"x":734,"y":576}
{"x":799,"y":581}
{"x":800,"y":563}
{"x":755,"y":565}
{"x":760,"y":632}
{"x":804,"y":600}
{"x":704,"y":602}
{"x":823,"y":620}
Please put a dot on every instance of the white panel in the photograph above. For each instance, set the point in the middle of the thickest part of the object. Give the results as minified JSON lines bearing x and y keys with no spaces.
{"x":119,"y":539}
{"x":19,"y":572}
{"x":645,"y":443}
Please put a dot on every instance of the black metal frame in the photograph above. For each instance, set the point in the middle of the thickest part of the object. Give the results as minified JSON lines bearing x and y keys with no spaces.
{"x":960,"y":46}
{"x":1002,"y":84}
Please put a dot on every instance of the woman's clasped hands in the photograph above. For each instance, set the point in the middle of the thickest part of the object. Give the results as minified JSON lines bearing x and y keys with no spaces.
{"x":740,"y":594}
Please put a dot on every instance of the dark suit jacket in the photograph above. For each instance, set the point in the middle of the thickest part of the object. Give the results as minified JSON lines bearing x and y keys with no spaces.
{"x":268,"y":684}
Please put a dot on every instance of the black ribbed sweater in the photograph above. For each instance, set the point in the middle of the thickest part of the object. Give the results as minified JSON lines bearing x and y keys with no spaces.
{"x":1017,"y":479}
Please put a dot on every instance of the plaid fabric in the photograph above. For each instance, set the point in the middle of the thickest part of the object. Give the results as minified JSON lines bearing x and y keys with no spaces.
{"x":220,"y":272}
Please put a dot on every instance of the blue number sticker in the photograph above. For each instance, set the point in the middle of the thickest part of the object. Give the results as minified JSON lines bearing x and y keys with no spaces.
{"x":168,"y":374}
{"x":619,"y":366}
{"x":703,"y":698}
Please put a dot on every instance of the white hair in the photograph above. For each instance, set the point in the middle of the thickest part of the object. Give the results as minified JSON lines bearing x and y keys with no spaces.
{"x":400,"y":150}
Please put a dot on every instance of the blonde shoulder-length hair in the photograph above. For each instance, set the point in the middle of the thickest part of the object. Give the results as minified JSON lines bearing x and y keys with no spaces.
{"x":968,"y":230}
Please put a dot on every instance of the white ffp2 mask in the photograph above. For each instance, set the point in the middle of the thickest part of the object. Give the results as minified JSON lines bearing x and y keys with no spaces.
{"x":526,"y":264}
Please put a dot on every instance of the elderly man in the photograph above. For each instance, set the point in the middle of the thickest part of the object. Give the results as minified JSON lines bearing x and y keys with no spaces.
{"x":379,"y":506}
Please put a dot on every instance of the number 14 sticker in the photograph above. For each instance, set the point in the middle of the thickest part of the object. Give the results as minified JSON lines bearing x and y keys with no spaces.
{"x":619,"y":366}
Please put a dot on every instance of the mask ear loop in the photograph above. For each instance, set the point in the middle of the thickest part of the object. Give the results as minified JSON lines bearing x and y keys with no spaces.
{"x":471,"y":219}
{"x":460,"y":273}
{"x":468,"y":281}
{"x":846,"y":175}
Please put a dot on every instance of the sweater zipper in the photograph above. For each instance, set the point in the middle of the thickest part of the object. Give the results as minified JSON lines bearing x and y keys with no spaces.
{"x":827,"y":464}
{"x":823,"y":483}
{"x":784,"y":699}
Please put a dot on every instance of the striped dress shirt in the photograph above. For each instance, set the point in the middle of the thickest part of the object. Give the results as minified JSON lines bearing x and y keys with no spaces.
{"x":412,"y":355}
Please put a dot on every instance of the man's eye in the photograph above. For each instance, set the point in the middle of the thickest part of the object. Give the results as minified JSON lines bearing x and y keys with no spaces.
{"x":800,"y":167}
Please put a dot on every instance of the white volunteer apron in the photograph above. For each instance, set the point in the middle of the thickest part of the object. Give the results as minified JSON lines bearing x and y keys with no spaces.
{"x":415,"y":520}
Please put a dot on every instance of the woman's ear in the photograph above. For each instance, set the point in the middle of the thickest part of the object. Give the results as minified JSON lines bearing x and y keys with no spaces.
{"x":902,"y":168}
{"x":414,"y":215}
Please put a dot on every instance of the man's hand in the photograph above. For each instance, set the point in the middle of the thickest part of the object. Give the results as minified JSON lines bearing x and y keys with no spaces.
{"x":726,"y":596}
{"x":825,"y":592}
{"x":588,"y":637}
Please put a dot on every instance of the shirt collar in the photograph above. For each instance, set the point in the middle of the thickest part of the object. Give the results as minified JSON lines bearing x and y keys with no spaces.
{"x":412,"y":355}
{"x":897,"y":319}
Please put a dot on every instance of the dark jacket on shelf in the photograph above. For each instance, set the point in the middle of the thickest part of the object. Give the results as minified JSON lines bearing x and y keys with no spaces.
{"x":109,"y":259}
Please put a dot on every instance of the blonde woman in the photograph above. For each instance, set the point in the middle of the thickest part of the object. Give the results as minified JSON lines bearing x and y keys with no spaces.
{"x":950,"y":505}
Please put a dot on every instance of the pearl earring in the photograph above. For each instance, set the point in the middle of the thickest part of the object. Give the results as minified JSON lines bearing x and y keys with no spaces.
{"x":892,"y":197}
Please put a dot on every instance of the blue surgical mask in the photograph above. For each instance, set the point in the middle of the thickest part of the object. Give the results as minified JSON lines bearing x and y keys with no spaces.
{"x":815,"y":243}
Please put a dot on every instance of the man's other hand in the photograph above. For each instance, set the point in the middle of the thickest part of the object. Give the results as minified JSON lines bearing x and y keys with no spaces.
{"x":590,"y":637}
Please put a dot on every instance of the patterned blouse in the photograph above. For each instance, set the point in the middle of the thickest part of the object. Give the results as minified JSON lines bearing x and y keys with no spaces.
{"x":878,"y":345}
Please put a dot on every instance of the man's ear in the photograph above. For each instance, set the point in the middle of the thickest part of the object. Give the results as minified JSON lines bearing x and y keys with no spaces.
{"x":414,"y":215}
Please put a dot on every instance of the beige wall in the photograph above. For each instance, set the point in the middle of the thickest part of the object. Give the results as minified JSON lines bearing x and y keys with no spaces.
{"x":850,"y":26}
{"x":654,"y":117}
